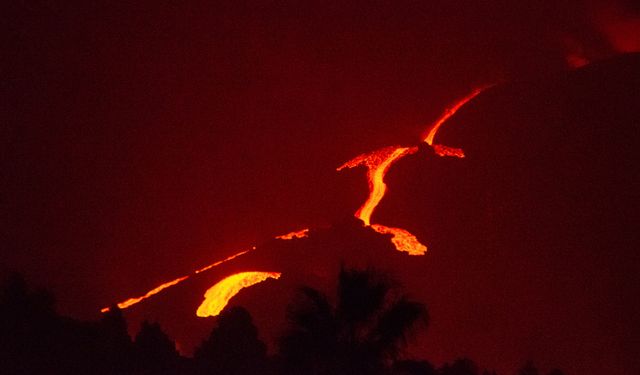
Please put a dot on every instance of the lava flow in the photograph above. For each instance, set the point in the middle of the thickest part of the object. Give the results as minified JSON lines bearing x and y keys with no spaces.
{"x":378,"y":163}
{"x":446,"y":115}
{"x":156,"y":290}
{"x":402,"y":239}
{"x":217,"y":297}
{"x":132,"y":301}
{"x":297,"y":234}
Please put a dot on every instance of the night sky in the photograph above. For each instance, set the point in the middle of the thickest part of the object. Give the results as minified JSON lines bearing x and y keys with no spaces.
{"x":143,"y":141}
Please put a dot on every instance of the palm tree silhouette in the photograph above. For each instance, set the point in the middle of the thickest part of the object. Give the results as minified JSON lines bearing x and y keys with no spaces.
{"x":363,"y":333}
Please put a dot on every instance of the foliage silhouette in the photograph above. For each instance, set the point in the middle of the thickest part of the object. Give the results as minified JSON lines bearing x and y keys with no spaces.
{"x":528,"y":369}
{"x":413,"y":367}
{"x":155,"y":351}
{"x":233,"y":346}
{"x":363,"y":334}
{"x":462,"y":366}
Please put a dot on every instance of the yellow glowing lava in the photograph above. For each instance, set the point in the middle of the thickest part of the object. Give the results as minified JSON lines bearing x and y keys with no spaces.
{"x":297,"y":234}
{"x":156,"y":290}
{"x":378,"y":163}
{"x":402,"y":239}
{"x":448,"y":113}
{"x":224,"y":260}
{"x":441,"y":150}
{"x":217,"y":297}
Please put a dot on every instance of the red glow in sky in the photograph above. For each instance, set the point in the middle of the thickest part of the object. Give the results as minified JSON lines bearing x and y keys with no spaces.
{"x":142,"y":140}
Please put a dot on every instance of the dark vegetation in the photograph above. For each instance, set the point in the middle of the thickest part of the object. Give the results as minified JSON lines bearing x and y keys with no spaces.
{"x":366,"y":331}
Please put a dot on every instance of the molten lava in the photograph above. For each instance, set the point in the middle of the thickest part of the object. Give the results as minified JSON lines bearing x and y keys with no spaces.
{"x":224,"y":260}
{"x":442,"y":150}
{"x":446,"y":115}
{"x":402,"y":239}
{"x":132,"y":301}
{"x":217,"y":297}
{"x":378,"y":163}
{"x":156,"y":290}
{"x":297,"y":234}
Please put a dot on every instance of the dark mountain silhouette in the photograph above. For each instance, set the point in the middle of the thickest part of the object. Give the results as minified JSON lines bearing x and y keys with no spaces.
{"x":535,"y":227}
{"x":535,"y":231}
{"x":527,"y":235}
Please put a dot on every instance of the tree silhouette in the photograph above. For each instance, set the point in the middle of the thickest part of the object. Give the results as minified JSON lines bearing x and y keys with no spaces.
{"x":528,"y":369}
{"x":28,"y":328}
{"x":233,"y":346}
{"x":155,"y":352}
{"x":114,"y":342}
{"x":462,"y":366}
{"x":363,"y":334}
{"x":412,"y":367}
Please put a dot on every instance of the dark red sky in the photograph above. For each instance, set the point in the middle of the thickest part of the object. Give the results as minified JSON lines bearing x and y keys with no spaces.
{"x":143,"y":141}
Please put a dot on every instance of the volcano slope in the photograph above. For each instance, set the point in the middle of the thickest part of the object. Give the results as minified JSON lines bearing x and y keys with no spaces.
{"x":533,"y":236}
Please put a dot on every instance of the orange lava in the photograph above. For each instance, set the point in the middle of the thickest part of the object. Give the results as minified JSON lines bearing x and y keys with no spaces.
{"x":160,"y":288}
{"x":378,"y":163}
{"x":217,"y":297}
{"x":448,"y":113}
{"x":132,"y":301}
{"x":224,"y":260}
{"x":402,"y":239}
{"x":156,"y":290}
{"x":442,"y":150}
{"x":297,"y":234}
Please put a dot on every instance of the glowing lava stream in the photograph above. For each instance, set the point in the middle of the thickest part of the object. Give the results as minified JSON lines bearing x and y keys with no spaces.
{"x":378,"y":163}
{"x":402,"y":239}
{"x":217,"y":297}
{"x":156,"y":290}
{"x":132,"y":301}
{"x":446,"y":115}
{"x":297,"y":234}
